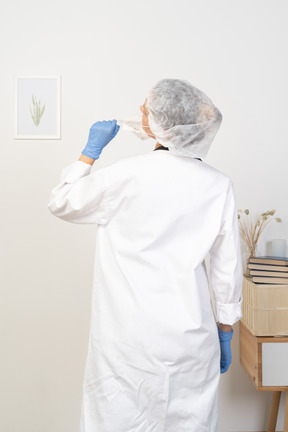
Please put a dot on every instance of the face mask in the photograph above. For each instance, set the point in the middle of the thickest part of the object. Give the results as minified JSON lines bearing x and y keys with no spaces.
{"x":134,"y":124}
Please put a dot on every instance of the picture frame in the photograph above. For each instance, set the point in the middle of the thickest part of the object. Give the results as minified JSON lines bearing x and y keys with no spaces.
{"x":37,"y":105}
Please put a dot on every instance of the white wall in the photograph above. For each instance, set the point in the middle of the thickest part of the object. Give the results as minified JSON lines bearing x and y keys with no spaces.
{"x":109,"y":53}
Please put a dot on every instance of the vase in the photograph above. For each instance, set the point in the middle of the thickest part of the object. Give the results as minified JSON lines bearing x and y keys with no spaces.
{"x":245,"y":258}
{"x":246,"y":255}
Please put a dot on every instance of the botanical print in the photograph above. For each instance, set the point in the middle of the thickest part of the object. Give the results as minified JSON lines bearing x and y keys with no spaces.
{"x":37,"y":111}
{"x":37,"y":107}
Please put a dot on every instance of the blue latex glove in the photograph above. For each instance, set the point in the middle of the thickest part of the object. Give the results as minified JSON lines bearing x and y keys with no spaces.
{"x":226,"y":356}
{"x":101,"y":133}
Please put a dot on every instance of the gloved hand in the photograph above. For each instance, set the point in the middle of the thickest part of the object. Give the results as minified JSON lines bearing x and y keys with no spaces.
{"x":226,"y":356}
{"x":101,"y":133}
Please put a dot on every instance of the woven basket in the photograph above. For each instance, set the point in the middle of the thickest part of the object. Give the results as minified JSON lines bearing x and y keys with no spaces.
{"x":265,"y":308}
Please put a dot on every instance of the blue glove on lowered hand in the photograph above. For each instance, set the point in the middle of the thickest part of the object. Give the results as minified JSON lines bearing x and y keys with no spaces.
{"x":101,"y":133}
{"x":226,"y":356}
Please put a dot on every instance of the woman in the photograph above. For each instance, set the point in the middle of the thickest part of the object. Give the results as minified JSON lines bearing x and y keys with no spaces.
{"x":154,"y":355}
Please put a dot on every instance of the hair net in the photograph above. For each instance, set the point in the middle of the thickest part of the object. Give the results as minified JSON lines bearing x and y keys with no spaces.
{"x":182,"y":117}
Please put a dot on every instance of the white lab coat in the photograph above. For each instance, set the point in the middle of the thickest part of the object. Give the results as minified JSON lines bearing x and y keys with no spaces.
{"x":153,"y":362}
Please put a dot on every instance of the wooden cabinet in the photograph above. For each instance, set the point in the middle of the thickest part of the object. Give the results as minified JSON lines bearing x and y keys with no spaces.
{"x":265,"y":360}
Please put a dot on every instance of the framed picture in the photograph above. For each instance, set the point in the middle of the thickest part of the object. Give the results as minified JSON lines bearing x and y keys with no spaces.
{"x":37,"y":107}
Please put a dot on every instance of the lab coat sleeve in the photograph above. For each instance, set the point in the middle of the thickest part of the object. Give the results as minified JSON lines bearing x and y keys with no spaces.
{"x":80,"y":197}
{"x":226,"y":275}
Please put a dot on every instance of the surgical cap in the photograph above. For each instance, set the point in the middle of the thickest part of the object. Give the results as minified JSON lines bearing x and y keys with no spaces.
{"x":182,"y":117}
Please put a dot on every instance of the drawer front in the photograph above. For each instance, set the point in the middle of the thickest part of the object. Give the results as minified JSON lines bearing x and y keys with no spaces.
{"x":274,"y":364}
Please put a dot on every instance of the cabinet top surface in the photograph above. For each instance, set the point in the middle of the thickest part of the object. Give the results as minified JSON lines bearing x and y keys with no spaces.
{"x":263,"y":339}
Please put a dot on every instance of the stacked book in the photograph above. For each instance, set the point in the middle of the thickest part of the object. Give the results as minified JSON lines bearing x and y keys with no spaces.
{"x":268,"y":270}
